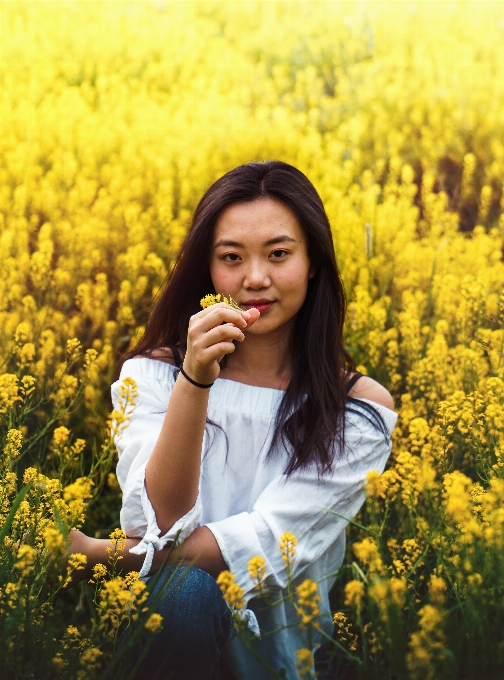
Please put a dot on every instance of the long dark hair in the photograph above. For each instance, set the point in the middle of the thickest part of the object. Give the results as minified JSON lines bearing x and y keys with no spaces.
{"x":311,"y":416}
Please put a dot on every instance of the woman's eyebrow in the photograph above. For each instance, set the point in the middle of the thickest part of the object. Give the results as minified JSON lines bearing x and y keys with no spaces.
{"x":272,"y":241}
{"x":280,"y":239}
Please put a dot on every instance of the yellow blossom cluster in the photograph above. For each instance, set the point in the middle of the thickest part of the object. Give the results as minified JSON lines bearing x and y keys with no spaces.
{"x":211,"y":299}
{"x":307,"y":603}
{"x":232,"y":592}
{"x":304,"y":663}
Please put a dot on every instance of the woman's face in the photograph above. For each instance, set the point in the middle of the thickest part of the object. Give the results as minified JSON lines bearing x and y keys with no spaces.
{"x":260,"y":258}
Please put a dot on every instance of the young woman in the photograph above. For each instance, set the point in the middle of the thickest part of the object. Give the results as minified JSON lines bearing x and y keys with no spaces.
{"x":250,"y":423}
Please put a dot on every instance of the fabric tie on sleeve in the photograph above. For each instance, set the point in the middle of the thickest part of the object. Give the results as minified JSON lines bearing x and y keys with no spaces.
{"x":150,"y":542}
{"x":248,"y":617}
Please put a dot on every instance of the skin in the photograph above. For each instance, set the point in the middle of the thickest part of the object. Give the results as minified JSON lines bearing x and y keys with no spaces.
{"x":259,"y":255}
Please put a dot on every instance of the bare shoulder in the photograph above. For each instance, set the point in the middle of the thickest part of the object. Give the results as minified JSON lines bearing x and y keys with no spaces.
{"x":367,"y":388}
{"x":163,"y":354}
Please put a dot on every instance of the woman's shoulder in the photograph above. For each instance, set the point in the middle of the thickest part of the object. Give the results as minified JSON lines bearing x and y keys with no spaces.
{"x":157,"y":364}
{"x":163,"y":354}
{"x":367,"y":388}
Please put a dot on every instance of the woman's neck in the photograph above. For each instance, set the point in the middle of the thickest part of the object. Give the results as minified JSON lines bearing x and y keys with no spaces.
{"x":261,"y":360}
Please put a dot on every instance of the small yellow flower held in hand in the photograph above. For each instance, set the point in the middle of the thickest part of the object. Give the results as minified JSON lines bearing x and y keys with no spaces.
{"x":211,"y":299}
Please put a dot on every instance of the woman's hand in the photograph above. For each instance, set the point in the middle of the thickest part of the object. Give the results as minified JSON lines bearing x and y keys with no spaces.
{"x":211,"y":335}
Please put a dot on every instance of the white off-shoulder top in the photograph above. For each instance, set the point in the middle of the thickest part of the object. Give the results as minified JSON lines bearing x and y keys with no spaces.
{"x":247,"y":502}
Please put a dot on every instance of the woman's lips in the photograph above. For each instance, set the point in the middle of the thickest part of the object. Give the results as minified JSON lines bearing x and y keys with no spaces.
{"x":261,"y":306}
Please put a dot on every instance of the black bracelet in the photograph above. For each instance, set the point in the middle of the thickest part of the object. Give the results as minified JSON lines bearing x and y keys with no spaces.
{"x":197,"y":384}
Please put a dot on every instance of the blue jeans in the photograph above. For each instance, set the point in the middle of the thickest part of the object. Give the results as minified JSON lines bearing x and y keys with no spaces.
{"x":196,"y":625}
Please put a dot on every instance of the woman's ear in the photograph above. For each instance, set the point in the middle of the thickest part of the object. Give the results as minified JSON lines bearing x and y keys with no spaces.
{"x":312,"y":271}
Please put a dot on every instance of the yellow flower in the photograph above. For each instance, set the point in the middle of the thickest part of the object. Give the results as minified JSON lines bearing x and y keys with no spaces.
{"x":354,"y":592}
{"x":154,"y":623}
{"x":437,"y":589}
{"x":367,"y":552}
{"x":120,"y":599}
{"x":307,"y":603}
{"x":13,"y":444}
{"x":211,"y":299}
{"x":25,"y":560}
{"x":304,"y":662}
{"x":30,"y":475}
{"x":73,"y":349}
{"x":61,"y":435}
{"x":58,"y":663}
{"x":77,"y":561}
{"x":288,"y":544}
{"x":54,"y":541}
{"x":343,"y":631}
{"x":256,"y":569}
{"x":91,"y":657}
{"x":27,"y":385}
{"x":231,"y":591}
{"x":427,"y":645}
{"x":99,"y":573}
{"x":118,"y":540}
{"x":9,"y":391}
{"x":80,"y":490}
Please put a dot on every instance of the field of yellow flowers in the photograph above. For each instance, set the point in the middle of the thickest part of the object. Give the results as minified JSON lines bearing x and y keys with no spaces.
{"x":115,"y":118}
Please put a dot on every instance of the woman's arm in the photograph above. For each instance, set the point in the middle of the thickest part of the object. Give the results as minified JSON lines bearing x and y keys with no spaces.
{"x":200,"y":549}
{"x":173,"y":470}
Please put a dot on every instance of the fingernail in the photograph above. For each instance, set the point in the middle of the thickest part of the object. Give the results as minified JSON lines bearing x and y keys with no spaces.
{"x":246,"y":315}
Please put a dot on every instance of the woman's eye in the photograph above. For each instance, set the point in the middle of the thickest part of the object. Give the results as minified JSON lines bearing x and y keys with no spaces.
{"x":231,"y":257}
{"x":277,"y":254}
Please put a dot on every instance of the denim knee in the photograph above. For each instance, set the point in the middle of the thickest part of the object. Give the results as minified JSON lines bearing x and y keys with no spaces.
{"x":191,"y":604}
{"x":196,"y":625}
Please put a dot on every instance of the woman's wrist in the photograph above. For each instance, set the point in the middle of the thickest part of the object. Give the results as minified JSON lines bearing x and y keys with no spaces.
{"x":203,"y":375}
{"x":193,"y":382}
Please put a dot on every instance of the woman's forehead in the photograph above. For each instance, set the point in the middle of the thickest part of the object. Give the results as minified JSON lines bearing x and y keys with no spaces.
{"x":257,"y":221}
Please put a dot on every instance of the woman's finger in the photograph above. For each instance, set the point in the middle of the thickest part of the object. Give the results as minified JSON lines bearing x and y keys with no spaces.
{"x":226,"y":333}
{"x":254,"y":315}
{"x":216,"y":352}
{"x":216,"y":315}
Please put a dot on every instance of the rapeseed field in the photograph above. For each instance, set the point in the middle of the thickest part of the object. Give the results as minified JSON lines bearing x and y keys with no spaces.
{"x":115,"y":117}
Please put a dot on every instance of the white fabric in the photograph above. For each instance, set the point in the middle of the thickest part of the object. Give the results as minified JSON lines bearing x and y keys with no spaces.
{"x":247,"y":502}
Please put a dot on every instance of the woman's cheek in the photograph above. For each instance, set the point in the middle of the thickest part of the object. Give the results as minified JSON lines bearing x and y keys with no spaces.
{"x":223,"y":282}
{"x":294,"y":280}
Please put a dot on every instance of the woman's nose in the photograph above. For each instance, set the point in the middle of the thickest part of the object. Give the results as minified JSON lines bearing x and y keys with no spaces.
{"x":257,"y":277}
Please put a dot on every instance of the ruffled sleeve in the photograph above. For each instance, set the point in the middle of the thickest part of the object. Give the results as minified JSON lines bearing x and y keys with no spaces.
{"x":154,"y":382}
{"x":316,"y":510}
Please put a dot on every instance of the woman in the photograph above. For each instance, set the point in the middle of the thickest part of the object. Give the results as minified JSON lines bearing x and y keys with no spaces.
{"x":250,"y":422}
